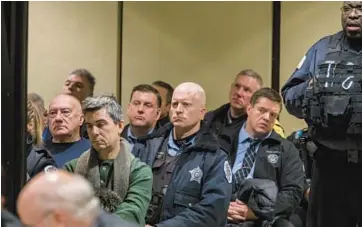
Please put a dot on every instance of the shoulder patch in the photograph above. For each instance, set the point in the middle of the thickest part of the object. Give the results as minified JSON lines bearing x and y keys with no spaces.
{"x":49,"y":169}
{"x":301,"y":62}
{"x":273,"y":158}
{"x":227,"y":171}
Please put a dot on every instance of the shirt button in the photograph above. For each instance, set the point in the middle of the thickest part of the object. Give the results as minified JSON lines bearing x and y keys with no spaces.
{"x":102,"y":181}
{"x":190,"y":205}
{"x":104,"y":168}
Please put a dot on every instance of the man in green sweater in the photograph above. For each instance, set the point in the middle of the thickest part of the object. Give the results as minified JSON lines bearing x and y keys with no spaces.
{"x":109,"y":163}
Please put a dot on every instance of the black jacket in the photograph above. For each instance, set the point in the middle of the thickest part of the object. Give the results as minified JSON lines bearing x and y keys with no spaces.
{"x":260,"y":196}
{"x":188,"y":202}
{"x":301,"y":141}
{"x":38,"y":160}
{"x":278,"y":160}
{"x":217,"y":121}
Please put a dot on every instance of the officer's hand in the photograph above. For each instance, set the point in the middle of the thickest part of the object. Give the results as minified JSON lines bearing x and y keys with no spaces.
{"x":148,"y":226}
{"x":249,"y":212}
{"x":237,"y":211}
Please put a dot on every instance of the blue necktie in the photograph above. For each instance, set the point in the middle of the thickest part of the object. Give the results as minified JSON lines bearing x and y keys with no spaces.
{"x":248,"y":162}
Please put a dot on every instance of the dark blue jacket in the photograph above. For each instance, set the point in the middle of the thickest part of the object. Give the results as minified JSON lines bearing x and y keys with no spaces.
{"x":187,"y":202}
{"x":146,"y":147}
{"x":73,"y":152}
{"x":293,"y":91}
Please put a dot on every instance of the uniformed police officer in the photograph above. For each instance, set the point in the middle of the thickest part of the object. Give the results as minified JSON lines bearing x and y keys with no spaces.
{"x":325,"y":90}
{"x":191,"y":174}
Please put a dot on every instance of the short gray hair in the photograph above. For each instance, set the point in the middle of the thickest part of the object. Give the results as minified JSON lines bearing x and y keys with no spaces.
{"x":252,"y":74}
{"x":114,"y":110}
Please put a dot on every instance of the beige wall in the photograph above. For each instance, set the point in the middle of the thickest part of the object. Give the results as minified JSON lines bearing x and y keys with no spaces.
{"x":204,"y":42}
{"x":303,"y":24}
{"x":68,"y":35}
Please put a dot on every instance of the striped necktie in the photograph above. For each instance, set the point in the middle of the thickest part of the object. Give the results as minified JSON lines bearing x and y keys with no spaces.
{"x":248,"y":162}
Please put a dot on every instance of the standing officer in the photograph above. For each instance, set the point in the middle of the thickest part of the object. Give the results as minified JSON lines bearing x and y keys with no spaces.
{"x":325,"y":90}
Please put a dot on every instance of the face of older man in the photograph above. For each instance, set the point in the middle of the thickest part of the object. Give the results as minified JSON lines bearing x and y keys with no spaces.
{"x":65,"y":117}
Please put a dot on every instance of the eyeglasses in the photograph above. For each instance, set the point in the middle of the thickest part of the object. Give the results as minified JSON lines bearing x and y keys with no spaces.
{"x":348,"y":10}
{"x":63,"y":113}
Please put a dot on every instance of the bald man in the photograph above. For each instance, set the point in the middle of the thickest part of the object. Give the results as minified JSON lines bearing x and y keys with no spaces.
{"x":63,"y":199}
{"x":191,"y":174}
{"x":65,"y":118}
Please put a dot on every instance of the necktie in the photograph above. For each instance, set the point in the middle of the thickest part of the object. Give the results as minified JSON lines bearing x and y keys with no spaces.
{"x":248,"y":162}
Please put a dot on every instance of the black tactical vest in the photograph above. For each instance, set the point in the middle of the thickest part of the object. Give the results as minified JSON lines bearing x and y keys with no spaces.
{"x":333,"y":104}
{"x":162,"y":169}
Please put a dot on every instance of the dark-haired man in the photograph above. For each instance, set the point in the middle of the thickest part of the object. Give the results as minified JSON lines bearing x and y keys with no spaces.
{"x":109,"y":163}
{"x":143,"y":112}
{"x":263,"y":154}
{"x":166,"y":91}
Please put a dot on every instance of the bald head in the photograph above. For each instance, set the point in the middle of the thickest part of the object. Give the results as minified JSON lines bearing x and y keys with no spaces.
{"x":65,"y":118}
{"x":187,"y":108}
{"x":57,"y":192}
{"x":69,"y":99}
{"x":192,"y":90}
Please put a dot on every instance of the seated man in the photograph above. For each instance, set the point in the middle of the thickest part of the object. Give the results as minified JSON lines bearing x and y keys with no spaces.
{"x":166,"y":91}
{"x":143,"y":112}
{"x":192,"y":177}
{"x":263,"y":154}
{"x":227,"y":120}
{"x":109,"y":163}
{"x":80,"y":84}
{"x":63,"y":199}
{"x":65,"y":119}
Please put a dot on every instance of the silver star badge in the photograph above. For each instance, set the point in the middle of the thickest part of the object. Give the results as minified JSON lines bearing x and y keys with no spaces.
{"x":196,"y":175}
